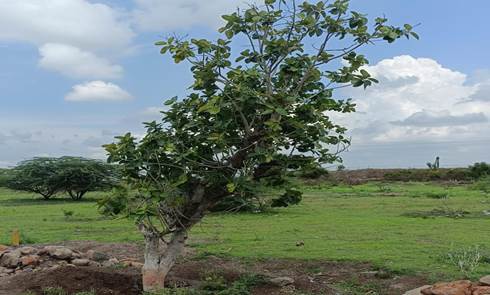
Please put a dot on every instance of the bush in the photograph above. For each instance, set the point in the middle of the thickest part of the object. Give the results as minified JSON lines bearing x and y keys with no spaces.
{"x":49,"y":176}
{"x":466,"y":260}
{"x":456,"y":174}
{"x":5,"y":176}
{"x":479,"y":170}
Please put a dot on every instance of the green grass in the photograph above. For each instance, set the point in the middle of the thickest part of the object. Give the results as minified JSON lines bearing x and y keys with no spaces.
{"x":368,"y":222}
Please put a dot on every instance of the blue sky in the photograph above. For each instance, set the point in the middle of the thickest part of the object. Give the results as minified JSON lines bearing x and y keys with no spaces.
{"x":74,"y":73}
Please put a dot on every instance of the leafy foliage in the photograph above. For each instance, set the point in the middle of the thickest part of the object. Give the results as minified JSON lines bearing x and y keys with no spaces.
{"x":77,"y":176}
{"x":38,"y":175}
{"x":5,"y":176}
{"x":479,"y":170}
{"x":250,"y":115}
{"x":48,"y":176}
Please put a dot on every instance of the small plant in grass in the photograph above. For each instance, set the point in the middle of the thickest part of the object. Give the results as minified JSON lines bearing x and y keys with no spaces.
{"x":68,"y":214}
{"x":482,"y":184}
{"x":54,"y":291}
{"x":466,"y":260}
{"x":383,"y":187}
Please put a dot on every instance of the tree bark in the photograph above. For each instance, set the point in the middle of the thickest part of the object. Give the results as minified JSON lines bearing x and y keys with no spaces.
{"x":159,"y":259}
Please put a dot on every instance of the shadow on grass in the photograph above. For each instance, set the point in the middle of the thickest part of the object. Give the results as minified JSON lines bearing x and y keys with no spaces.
{"x":43,"y":202}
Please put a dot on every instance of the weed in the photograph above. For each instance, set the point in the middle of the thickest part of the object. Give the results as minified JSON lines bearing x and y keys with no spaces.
{"x":354,"y":287}
{"x":54,"y":291}
{"x":68,"y":213}
{"x":466,"y":260}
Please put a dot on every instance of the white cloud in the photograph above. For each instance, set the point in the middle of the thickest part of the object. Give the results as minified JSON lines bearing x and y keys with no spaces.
{"x":73,"y":62}
{"x":417,"y":100}
{"x":70,"y":34}
{"x":97,"y":91}
{"x":86,"y":25}
{"x":164,"y":15}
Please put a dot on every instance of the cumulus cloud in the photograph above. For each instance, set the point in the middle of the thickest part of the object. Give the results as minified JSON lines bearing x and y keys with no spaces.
{"x":86,"y":25}
{"x":164,"y":15}
{"x":97,"y":91}
{"x":416,"y":99}
{"x":74,"y":62}
{"x":71,"y":34}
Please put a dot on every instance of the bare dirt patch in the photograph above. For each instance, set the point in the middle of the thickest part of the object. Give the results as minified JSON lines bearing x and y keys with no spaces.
{"x":312,"y":277}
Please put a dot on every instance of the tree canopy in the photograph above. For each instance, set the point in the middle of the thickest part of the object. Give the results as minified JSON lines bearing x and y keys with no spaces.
{"x":48,"y":176}
{"x":250,"y":114}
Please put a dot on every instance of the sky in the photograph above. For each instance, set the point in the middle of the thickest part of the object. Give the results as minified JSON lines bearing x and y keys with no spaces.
{"x":76,"y":73}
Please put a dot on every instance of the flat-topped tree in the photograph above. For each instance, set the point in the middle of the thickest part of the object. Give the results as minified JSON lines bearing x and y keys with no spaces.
{"x":248,"y":112}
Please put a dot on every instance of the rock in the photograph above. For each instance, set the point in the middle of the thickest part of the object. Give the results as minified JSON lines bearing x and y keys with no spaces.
{"x":481,"y":290}
{"x":97,"y":256}
{"x":30,"y":260}
{"x":3,"y":248}
{"x":485,"y":280}
{"x":383,"y":274}
{"x":47,"y":250}
{"x":80,"y":262}
{"x":417,"y":291}
{"x":282,"y":281}
{"x":28,"y":250}
{"x":454,"y":288}
{"x":10,"y":259}
{"x":61,"y":253}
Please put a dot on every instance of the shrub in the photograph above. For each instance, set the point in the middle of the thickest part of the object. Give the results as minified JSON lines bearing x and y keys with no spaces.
{"x":466,"y":260}
{"x":456,"y":174}
{"x":5,"y":176}
{"x":479,"y":170}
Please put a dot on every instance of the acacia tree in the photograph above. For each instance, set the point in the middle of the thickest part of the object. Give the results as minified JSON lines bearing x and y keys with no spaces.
{"x":37,"y":175}
{"x":248,"y":113}
{"x":77,"y":176}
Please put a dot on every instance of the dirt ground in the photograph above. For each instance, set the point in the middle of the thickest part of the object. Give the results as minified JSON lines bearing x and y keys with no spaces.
{"x":311,"y":277}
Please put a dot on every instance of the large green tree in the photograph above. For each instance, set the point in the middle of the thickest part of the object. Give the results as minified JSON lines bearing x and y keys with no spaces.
{"x":74,"y":175}
{"x":248,"y":115}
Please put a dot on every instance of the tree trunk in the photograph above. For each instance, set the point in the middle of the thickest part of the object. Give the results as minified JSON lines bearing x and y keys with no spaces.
{"x":159,"y":259}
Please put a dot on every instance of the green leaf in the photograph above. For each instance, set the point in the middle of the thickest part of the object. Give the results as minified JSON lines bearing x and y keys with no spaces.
{"x":171,"y":101}
{"x":230,"y":187}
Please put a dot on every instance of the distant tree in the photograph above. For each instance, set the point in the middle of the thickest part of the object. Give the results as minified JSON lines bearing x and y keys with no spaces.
{"x":246,"y":113}
{"x":49,"y":176}
{"x":5,"y":176}
{"x":479,"y":170}
{"x":77,"y":176}
{"x":37,"y":176}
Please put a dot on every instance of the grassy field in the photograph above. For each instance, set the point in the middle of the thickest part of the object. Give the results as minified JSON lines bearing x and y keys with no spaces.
{"x":393,"y":225}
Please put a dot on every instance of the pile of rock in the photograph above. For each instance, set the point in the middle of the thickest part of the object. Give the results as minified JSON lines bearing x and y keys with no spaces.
{"x":455,"y":288}
{"x":31,"y":259}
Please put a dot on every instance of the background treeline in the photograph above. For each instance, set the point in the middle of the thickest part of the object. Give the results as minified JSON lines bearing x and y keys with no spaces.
{"x":75,"y":176}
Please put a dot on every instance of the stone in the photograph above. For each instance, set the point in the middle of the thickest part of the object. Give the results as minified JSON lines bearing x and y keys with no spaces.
{"x":61,"y":253}
{"x":454,"y":288}
{"x":10,"y":259}
{"x":97,"y":256}
{"x":80,"y":262}
{"x":481,"y":290}
{"x":30,"y":260}
{"x":3,"y":248}
{"x":282,"y":281}
{"x":485,"y":280}
{"x":28,"y":250}
{"x":417,"y":291}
